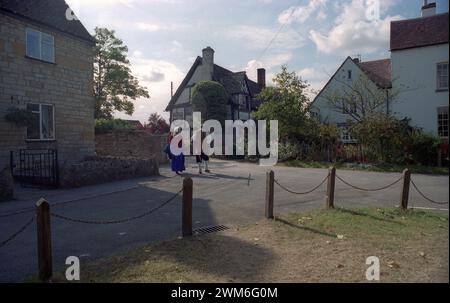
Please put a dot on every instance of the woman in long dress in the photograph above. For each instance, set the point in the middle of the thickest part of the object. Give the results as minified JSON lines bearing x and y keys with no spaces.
{"x":177,"y":161}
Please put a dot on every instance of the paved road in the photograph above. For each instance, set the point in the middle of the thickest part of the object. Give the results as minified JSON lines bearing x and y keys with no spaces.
{"x":226,"y":196}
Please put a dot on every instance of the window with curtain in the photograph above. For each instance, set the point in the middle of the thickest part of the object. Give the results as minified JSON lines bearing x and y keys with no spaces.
{"x":40,"y":45}
{"x":42,"y":126}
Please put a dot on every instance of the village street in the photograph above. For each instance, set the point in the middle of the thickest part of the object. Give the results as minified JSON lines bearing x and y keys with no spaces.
{"x":232,"y":194}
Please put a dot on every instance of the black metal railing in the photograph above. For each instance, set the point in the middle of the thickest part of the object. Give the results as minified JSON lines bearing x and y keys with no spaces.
{"x":35,"y":166}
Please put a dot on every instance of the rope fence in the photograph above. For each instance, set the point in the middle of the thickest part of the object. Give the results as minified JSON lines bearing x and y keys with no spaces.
{"x":118,"y":221}
{"x":329,"y":198}
{"x":43,"y":216}
{"x":21,"y":230}
{"x":302,"y":193}
{"x":424,"y":196}
{"x":369,"y":189}
{"x":43,"y":213}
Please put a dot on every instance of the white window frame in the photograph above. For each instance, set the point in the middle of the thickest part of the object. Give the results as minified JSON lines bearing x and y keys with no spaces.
{"x":344,"y":134}
{"x":438,"y":87}
{"x":180,"y":111}
{"x":29,"y":30}
{"x":41,"y":137}
{"x":443,"y":109}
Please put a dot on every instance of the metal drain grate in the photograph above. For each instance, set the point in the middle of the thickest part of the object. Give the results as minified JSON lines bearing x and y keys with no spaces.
{"x":210,"y":229}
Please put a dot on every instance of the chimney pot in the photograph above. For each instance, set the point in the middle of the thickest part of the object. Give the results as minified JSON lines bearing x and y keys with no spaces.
{"x":208,"y":55}
{"x":428,"y":9}
{"x":208,"y":61}
{"x":262,"y":77}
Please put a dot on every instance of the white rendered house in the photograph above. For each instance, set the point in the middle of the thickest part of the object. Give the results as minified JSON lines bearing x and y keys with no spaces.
{"x":376,"y":75}
{"x":419,"y":55}
{"x":415,"y":77}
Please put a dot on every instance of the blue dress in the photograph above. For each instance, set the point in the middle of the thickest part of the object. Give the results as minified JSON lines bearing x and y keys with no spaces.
{"x":178,"y":163}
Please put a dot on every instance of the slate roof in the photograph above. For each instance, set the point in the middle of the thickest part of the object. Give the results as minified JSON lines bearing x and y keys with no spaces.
{"x":51,"y":13}
{"x":379,"y":71}
{"x":233,"y":82}
{"x":419,"y":32}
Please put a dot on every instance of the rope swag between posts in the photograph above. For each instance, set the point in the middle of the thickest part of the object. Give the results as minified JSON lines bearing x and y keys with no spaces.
{"x":424,"y":196}
{"x":21,"y":230}
{"x":302,"y":193}
{"x":369,"y":189}
{"x":104,"y":222}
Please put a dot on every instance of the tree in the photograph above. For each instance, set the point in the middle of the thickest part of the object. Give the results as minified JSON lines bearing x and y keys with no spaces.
{"x":210,"y":98}
{"x":114,"y":86}
{"x":286,"y":102}
{"x":359,"y":99}
{"x":157,"y":124}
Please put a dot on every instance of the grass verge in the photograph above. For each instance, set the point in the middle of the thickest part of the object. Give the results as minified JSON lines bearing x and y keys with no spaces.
{"x":316,"y":246}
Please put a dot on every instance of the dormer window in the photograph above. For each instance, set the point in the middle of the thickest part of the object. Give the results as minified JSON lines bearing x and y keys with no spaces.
{"x":40,"y":46}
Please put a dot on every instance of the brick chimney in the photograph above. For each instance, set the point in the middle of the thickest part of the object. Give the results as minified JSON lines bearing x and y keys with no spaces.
{"x":208,"y":60}
{"x":428,"y":9}
{"x":262,"y":77}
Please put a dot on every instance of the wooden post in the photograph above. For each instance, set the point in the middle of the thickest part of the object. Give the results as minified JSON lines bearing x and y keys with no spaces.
{"x":187,"y":207}
{"x":270,"y":179}
{"x":330,"y":187}
{"x":44,"y":240}
{"x":405,"y":189}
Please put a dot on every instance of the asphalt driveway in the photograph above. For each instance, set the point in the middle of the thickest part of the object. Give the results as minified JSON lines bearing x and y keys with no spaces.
{"x":232,"y":194}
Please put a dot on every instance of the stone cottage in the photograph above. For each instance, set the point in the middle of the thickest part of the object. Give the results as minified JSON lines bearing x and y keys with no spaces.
{"x":46,"y":74}
{"x":240,"y":88}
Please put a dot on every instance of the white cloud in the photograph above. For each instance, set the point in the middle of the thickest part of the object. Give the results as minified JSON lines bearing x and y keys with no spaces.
{"x":269,"y":62}
{"x":258,"y":37}
{"x":310,"y":73}
{"x":251,"y":69}
{"x":156,"y":75}
{"x":75,"y":3}
{"x":353,"y":33}
{"x":300,"y":13}
{"x":158,"y":26}
{"x":321,"y":15}
{"x":137,"y":54}
{"x":315,"y":76}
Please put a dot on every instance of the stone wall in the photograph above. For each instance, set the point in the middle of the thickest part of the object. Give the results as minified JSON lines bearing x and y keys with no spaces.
{"x":66,"y":84}
{"x":96,"y":170}
{"x":138,"y":144}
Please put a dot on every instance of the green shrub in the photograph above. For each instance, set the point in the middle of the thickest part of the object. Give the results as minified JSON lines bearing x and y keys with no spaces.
{"x":21,"y":117}
{"x":288,"y":151}
{"x":110,"y":125}
{"x":423,"y":148}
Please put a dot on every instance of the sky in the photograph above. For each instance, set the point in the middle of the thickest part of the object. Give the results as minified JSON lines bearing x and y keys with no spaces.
{"x":311,"y":37}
